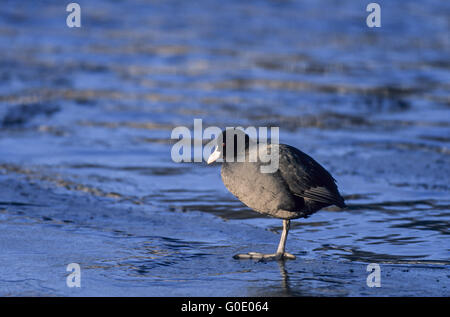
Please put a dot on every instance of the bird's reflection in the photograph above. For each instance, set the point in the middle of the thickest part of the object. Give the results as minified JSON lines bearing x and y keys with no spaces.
{"x":285,"y":285}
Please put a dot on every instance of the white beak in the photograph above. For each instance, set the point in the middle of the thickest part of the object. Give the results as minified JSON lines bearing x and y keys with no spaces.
{"x":214,"y":156}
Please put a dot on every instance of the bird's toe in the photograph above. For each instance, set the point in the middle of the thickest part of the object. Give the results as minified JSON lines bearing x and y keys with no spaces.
{"x":264,"y":257}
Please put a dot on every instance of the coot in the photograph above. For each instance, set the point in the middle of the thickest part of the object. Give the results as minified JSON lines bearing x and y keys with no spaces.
{"x":298,"y":188}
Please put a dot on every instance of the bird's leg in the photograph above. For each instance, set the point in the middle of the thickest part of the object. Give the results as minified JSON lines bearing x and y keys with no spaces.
{"x":282,"y":244}
{"x":279,"y":255}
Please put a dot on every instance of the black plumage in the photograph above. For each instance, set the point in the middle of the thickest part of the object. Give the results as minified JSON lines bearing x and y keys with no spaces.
{"x":308,"y":180}
{"x":299,"y":187}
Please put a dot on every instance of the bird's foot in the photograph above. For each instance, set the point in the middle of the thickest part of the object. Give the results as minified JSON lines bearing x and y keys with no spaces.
{"x":265,"y":257}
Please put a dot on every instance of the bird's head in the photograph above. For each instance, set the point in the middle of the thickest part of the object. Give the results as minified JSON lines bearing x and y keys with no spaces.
{"x":231,"y":145}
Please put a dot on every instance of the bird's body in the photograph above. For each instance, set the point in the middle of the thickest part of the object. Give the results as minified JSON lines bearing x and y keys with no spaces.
{"x":298,"y":187}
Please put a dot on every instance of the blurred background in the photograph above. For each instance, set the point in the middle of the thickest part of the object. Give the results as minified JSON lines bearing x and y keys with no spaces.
{"x":86,"y":116}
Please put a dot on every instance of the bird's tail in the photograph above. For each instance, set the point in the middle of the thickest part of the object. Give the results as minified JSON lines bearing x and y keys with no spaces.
{"x":340,"y":202}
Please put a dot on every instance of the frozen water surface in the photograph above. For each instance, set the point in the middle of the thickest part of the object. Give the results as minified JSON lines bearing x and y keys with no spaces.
{"x":86,"y":174}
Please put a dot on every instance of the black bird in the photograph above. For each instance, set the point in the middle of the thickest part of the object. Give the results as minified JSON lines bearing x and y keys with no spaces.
{"x":298,"y":188}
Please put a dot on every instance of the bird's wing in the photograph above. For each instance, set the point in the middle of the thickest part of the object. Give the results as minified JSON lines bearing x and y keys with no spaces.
{"x":307,"y":178}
